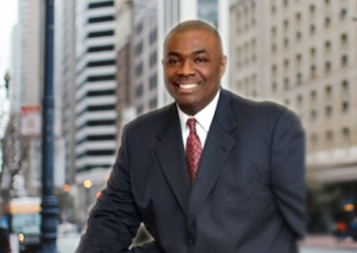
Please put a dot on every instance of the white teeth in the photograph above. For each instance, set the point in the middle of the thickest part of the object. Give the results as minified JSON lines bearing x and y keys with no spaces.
{"x":188,"y":86}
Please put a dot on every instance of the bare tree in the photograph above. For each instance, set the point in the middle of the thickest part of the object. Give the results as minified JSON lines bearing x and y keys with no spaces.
{"x":15,"y":153}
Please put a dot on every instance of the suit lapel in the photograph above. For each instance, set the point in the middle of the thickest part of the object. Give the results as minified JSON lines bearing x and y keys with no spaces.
{"x":170,"y":154}
{"x":216,"y":150}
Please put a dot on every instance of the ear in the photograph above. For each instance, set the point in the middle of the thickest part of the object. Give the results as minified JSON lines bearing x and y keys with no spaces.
{"x":222,"y":65}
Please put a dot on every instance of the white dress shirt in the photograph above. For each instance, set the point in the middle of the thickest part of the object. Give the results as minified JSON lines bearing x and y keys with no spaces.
{"x":204,"y":119}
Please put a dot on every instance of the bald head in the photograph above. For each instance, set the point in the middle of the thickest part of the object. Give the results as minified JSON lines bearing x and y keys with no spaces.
{"x":193,"y":65}
{"x":195,"y":25}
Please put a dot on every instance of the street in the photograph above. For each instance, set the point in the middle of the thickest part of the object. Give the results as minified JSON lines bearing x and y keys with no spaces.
{"x":67,"y":243}
{"x":324,"y":250}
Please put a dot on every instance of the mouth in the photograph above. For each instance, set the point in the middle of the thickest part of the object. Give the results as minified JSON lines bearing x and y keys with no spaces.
{"x":187,"y":86}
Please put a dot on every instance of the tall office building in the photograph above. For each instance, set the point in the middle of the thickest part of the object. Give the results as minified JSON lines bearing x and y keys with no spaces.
{"x":95,"y":96}
{"x":64,"y":86}
{"x":123,"y":47}
{"x":26,"y":66}
{"x":301,"y":54}
{"x":25,"y":88}
{"x":145,"y":56}
{"x":65,"y":66}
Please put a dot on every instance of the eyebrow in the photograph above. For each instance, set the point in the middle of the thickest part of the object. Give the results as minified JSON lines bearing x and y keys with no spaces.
{"x":193,"y":53}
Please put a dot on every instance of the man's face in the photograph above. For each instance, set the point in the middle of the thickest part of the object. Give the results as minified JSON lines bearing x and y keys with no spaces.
{"x":193,"y":66}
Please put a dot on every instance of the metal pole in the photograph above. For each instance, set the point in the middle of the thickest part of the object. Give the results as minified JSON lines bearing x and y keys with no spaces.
{"x":49,"y":202}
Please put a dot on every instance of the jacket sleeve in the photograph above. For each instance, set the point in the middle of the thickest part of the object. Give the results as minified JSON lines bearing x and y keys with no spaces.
{"x":287,"y":168}
{"x":114,"y":220}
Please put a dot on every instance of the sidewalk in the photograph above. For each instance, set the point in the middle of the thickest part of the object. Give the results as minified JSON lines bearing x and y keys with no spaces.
{"x":329,"y":242}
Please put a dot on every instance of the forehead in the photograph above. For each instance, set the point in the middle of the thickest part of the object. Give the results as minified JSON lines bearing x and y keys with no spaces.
{"x":189,"y":41}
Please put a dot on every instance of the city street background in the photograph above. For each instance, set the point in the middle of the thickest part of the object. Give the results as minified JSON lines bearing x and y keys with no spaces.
{"x":107,"y":71}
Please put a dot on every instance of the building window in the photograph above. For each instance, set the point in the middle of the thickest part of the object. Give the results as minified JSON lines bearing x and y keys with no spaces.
{"x":273,"y":38}
{"x":274,"y":77}
{"x":239,"y":86}
{"x":328,"y":99}
{"x":239,"y":21}
{"x":345,"y":95}
{"x":329,"y":141}
{"x":239,"y":57}
{"x":313,"y":104}
{"x":246,"y":53}
{"x":328,"y":12}
{"x":139,"y":48}
{"x":100,"y":19}
{"x":344,"y":49}
{"x":328,"y":55}
{"x":254,"y":85}
{"x":273,"y":6}
{"x":246,"y":17}
{"x":101,"y":63}
{"x":100,"y":78}
{"x":100,"y":34}
{"x":153,"y":36}
{"x":139,"y":69}
{"x":312,"y":18}
{"x":254,"y":49}
{"x":314,"y":143}
{"x":153,"y":82}
{"x":299,"y":105}
{"x":344,"y":8}
{"x":298,"y":26}
{"x":153,"y":103}
{"x":139,"y":109}
{"x":100,"y":48}
{"x":100,"y":5}
{"x":286,"y":74}
{"x":346,"y":137}
{"x":253,"y":14}
{"x":299,"y":68}
{"x":139,"y":90}
{"x":286,"y":33}
{"x":139,"y":27}
{"x":153,"y":58}
{"x":247,"y":87}
{"x":313,"y":61}
{"x":285,"y":2}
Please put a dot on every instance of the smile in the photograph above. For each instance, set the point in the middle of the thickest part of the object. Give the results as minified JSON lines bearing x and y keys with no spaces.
{"x":188,"y":86}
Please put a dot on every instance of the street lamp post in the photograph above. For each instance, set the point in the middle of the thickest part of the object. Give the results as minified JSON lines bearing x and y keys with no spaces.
{"x":87,"y":185}
{"x":49,"y":202}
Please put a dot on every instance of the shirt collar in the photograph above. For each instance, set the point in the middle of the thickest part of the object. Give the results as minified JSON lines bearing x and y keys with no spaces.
{"x":204,"y":117}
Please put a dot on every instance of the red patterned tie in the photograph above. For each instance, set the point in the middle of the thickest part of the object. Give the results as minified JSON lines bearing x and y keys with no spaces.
{"x":193,"y":149}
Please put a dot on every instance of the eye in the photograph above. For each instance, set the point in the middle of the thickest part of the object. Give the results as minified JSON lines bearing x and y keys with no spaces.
{"x":172,"y":61}
{"x":201,"y":60}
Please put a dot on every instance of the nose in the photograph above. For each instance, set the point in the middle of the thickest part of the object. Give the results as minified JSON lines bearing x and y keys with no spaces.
{"x":187,"y":68}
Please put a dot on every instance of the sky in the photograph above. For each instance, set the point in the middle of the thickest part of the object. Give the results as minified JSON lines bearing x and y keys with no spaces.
{"x":8,"y":18}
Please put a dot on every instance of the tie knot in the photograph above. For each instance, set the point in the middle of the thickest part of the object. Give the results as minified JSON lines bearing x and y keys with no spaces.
{"x":191,"y":123}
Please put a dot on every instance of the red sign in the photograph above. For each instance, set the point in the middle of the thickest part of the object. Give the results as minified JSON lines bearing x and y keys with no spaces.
{"x":31,"y":120}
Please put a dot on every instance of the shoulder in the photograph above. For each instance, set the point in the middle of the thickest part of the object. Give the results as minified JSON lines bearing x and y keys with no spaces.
{"x":264,"y":114}
{"x":150,"y":121}
{"x":257,"y":107}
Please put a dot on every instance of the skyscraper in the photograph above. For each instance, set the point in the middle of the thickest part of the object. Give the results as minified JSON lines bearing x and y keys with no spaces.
{"x":95,"y":94}
{"x":300,"y":53}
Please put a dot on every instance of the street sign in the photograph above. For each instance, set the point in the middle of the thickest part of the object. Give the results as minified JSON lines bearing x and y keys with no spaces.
{"x":31,"y":120}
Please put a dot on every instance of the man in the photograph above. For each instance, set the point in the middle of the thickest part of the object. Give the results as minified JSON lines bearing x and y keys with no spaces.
{"x":232,"y":180}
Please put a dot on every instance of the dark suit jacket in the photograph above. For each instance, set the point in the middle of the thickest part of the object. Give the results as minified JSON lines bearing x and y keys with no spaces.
{"x":248,"y":196}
